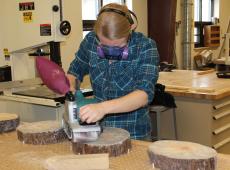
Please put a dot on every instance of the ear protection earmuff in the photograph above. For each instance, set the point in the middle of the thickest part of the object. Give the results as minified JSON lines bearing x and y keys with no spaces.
{"x":130,"y":19}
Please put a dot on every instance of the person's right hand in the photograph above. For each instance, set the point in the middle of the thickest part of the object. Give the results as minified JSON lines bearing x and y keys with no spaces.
{"x":91,"y":113}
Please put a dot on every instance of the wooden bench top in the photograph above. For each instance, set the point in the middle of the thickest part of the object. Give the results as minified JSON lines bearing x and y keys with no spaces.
{"x":196,"y":84}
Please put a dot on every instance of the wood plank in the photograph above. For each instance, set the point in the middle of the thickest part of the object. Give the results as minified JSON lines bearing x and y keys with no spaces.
{"x":81,"y":162}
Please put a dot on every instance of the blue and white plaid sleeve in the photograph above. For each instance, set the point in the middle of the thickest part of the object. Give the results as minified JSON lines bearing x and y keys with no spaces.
{"x":148,"y":70}
{"x":79,"y":66}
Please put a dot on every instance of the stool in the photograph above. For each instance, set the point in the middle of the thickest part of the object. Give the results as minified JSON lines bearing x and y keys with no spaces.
{"x":158,"y":109}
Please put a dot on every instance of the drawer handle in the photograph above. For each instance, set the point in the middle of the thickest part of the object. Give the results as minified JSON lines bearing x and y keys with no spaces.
{"x":222,"y":143}
{"x":221,"y":105}
{"x":220,"y":115}
{"x":221,"y":129}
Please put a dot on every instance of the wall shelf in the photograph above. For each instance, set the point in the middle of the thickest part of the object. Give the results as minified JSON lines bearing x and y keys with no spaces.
{"x":212,"y":36}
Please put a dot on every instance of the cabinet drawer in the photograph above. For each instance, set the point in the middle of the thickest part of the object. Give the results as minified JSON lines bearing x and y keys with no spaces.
{"x":220,"y":119}
{"x":221,"y":104}
{"x":221,"y":113}
{"x":223,"y":146}
{"x":221,"y":141}
{"x":221,"y":125}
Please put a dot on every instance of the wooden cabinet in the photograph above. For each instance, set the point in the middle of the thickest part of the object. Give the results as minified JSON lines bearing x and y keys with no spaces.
{"x":203,"y":108}
{"x":199,"y":121}
{"x":212,"y":36}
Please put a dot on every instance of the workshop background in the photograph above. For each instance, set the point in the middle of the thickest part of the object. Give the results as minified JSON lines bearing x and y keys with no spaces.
{"x":190,"y":49}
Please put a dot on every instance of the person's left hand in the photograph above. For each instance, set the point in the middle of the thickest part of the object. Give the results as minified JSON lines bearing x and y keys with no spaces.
{"x":91,"y":113}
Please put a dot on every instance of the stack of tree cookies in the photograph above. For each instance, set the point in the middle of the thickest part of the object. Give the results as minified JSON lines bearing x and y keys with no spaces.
{"x":8,"y":122}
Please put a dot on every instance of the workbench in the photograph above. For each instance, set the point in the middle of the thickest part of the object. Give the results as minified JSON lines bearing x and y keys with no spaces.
{"x":203,"y":107}
{"x":15,"y":155}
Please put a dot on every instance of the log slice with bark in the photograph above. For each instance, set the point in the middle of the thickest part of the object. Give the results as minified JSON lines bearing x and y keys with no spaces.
{"x":180,"y":155}
{"x":114,"y":141}
{"x":8,"y":122}
{"x":41,"y":133}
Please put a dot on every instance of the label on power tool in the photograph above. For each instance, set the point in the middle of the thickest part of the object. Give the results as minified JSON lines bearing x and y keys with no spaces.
{"x":45,"y":29}
{"x":72,"y":111}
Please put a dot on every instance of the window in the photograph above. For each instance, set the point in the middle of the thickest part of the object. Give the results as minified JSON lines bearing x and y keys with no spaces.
{"x":204,"y":11}
{"x":90,"y":9}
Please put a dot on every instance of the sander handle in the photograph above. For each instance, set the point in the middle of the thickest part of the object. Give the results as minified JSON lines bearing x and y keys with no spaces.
{"x":82,"y":101}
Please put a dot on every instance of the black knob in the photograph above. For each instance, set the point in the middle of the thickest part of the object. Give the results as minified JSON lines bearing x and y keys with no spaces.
{"x":55,"y":8}
{"x":70,"y":96}
{"x":65,"y":27}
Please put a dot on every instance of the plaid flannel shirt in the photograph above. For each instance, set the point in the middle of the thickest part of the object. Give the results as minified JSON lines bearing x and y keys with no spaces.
{"x":119,"y":78}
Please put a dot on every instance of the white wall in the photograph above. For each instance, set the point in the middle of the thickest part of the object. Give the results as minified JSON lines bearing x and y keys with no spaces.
{"x":140,"y":9}
{"x":224,"y":20}
{"x":1,"y":52}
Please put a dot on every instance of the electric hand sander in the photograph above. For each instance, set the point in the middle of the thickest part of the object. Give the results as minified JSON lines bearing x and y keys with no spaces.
{"x":75,"y":129}
{"x":53,"y":76}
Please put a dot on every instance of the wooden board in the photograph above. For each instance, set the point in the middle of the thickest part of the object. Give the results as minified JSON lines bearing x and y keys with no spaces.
{"x":174,"y":155}
{"x":81,"y":162}
{"x":44,"y":132}
{"x":8,"y":122}
{"x":114,"y":141}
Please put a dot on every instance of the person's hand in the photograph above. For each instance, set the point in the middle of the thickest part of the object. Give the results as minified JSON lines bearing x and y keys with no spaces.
{"x":91,"y":113}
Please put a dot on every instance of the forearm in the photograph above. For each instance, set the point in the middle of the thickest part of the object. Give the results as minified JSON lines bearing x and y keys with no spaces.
{"x":127,"y":103}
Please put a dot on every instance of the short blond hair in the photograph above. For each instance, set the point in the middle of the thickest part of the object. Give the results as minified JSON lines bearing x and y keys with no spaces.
{"x":113,"y":25}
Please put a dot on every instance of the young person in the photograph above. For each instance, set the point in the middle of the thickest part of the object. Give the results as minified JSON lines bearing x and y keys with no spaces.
{"x":123,"y":69}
